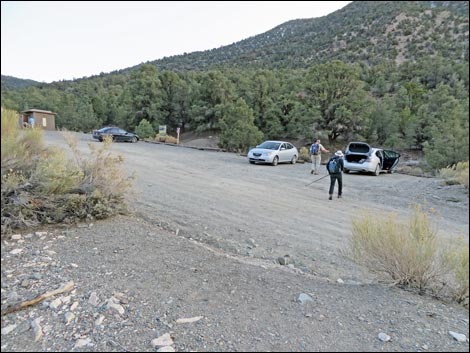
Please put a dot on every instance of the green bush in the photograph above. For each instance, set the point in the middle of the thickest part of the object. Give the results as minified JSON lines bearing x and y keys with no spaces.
{"x":144,"y":129}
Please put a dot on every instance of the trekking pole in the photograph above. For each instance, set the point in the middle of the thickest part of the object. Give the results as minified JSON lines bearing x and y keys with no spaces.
{"x":317,"y":180}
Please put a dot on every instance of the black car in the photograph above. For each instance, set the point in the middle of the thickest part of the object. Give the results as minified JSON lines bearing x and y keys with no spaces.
{"x":116,"y":134}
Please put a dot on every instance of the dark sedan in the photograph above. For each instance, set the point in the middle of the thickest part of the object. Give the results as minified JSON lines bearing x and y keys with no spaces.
{"x":116,"y":134}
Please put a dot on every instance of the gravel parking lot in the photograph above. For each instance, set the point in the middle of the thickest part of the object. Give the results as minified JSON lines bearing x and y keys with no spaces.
{"x":265,"y":212}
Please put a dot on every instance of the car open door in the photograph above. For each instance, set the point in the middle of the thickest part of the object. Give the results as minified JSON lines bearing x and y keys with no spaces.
{"x":391,"y":159}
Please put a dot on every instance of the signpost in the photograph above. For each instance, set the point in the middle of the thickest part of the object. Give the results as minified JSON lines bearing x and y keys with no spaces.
{"x":162,"y":130}
{"x":177,"y":135}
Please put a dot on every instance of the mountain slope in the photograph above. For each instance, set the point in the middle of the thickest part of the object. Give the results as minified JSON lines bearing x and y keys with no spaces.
{"x":362,"y":31}
{"x":10,"y":82}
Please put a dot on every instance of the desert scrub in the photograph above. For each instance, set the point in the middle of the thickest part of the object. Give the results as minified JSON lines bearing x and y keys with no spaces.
{"x":304,"y":154}
{"x":41,"y":185}
{"x":456,"y":174}
{"x":456,"y":259}
{"x":405,"y":253}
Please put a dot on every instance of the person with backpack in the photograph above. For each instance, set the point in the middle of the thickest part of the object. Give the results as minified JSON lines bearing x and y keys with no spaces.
{"x":335,"y":168}
{"x":315,"y":155}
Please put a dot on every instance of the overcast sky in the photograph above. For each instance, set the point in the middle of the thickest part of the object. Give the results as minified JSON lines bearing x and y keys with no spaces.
{"x":50,"y":41}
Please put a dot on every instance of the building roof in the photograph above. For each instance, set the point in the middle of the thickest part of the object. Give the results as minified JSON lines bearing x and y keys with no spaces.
{"x":38,"y":111}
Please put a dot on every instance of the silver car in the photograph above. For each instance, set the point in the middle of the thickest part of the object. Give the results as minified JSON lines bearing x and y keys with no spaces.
{"x":273,"y":152}
{"x":360,"y":157}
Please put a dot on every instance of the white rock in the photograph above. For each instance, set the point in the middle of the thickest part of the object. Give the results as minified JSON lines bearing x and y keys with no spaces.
{"x":99,"y":320}
{"x":189,"y":320}
{"x":384,"y":337}
{"x":460,"y":337}
{"x":340,"y":281}
{"x":73,"y":306}
{"x":7,"y":329}
{"x":116,"y":307}
{"x":82,"y":342}
{"x":94,"y":300}
{"x":69,"y":317}
{"x":166,"y":349}
{"x":162,"y":341}
{"x":16,"y":251}
{"x":16,"y":237}
{"x":40,"y":234}
{"x":37,"y":329}
{"x":55,"y":304}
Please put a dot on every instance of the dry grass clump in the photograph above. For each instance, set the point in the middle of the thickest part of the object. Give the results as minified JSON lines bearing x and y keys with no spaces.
{"x":409,"y":254}
{"x":40,"y":185}
{"x":304,"y":154}
{"x":456,"y":174}
{"x":406,"y":253}
{"x":456,"y":259}
{"x":166,"y":138}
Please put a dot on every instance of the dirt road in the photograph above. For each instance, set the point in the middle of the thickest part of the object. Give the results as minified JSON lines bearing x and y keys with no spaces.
{"x":261,"y":211}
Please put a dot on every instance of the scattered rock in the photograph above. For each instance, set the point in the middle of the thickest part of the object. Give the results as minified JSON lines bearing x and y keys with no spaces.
{"x":73,"y":306}
{"x":189,"y":320}
{"x":83,"y":342}
{"x":384,"y":337}
{"x":164,"y":340}
{"x":55,"y":304}
{"x":69,"y":317}
{"x":285,"y":260}
{"x":7,"y":329}
{"x":16,"y":251}
{"x":99,"y":321}
{"x":303,"y":298}
{"x":37,"y":329}
{"x":460,"y":337}
{"x":94,"y":300}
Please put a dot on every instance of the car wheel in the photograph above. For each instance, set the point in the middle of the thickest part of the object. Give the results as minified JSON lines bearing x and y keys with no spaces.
{"x":134,"y":139}
{"x":252,"y":162}
{"x":294,"y":159}
{"x":100,"y":139}
{"x":377,"y":170}
{"x":275,"y":161}
{"x":346,"y":171}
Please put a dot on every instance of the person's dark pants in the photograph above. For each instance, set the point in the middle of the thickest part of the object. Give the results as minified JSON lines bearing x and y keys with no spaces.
{"x":339,"y":177}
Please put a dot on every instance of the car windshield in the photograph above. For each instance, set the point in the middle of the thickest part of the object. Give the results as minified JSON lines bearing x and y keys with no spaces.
{"x":269,"y":145}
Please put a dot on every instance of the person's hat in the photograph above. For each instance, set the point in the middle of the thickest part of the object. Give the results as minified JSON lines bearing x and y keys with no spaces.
{"x":339,"y":154}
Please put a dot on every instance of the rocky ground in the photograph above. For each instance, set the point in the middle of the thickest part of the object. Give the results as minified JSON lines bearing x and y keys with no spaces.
{"x":135,"y":285}
{"x":195,"y":266}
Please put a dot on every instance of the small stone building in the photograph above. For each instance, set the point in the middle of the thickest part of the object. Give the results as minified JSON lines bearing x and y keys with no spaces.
{"x":43,"y":119}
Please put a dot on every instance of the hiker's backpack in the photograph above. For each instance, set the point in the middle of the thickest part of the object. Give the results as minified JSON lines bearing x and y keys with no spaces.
{"x":315,"y":149}
{"x":333,"y":165}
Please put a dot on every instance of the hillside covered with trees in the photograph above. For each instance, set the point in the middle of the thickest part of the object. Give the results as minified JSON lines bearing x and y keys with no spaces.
{"x":395,"y":74}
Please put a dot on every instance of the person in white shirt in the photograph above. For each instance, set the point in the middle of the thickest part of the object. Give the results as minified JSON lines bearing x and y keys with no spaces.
{"x":315,"y":155}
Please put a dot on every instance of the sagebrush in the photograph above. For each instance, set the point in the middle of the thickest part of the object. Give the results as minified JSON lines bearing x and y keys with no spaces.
{"x":42,"y":185}
{"x":456,"y":174}
{"x":409,"y":253}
